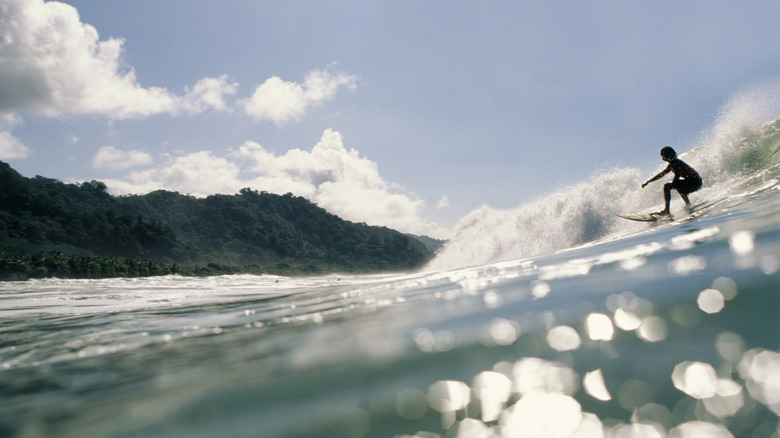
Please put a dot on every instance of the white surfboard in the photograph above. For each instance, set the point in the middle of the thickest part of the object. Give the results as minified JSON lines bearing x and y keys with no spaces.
{"x":642,"y":217}
{"x":655,"y":217}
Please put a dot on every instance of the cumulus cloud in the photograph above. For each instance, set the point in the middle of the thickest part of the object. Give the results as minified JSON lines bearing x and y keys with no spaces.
{"x":444,"y":203}
{"x":52,"y":63}
{"x":109,"y":157}
{"x":282,"y":101}
{"x":334,"y":177}
{"x":198,"y":174}
{"x":209,"y":93}
{"x":11,"y":147}
{"x":136,"y":182}
{"x":202,"y":173}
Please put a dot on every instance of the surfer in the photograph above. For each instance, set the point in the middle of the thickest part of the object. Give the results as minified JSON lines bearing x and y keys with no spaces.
{"x":686,"y":179}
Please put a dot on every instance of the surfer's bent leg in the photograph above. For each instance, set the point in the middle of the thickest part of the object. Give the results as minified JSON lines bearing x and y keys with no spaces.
{"x":684,"y":187}
{"x":667,"y":198}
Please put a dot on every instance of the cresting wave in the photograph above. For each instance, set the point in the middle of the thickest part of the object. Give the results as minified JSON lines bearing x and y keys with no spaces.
{"x":737,"y":156}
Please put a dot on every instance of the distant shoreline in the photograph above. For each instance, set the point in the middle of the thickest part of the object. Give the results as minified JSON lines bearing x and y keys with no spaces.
{"x":52,"y":229}
{"x":55,"y":264}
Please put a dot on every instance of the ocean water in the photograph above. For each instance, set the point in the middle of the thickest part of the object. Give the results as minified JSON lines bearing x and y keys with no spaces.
{"x":555,"y":319}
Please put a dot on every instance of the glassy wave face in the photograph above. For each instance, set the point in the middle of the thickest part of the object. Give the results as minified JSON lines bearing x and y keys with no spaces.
{"x":556,"y":319}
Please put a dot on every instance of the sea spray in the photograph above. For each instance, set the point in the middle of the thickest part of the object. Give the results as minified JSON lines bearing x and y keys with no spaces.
{"x":746,"y":135}
{"x":569,"y":217}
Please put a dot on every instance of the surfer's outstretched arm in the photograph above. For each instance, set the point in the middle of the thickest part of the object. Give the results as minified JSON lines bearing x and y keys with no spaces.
{"x":657,"y":177}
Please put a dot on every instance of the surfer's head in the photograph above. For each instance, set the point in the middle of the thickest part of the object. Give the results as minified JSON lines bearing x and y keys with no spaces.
{"x":667,"y":153}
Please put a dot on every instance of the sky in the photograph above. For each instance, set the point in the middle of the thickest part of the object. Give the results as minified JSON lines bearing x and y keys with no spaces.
{"x":402,"y":113}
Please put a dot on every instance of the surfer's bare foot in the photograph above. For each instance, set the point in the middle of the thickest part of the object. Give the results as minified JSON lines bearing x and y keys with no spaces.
{"x":662,"y":213}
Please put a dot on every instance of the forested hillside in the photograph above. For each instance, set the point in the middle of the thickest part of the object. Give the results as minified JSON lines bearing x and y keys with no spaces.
{"x":42,"y":215}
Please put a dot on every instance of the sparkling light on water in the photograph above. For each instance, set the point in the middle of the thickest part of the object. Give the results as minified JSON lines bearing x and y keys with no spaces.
{"x":541,"y":414}
{"x":653,"y":413}
{"x":470,"y":428}
{"x":760,"y":368}
{"x":448,"y":397}
{"x":728,"y":399}
{"x":535,"y":397}
{"x":599,"y":327}
{"x":770,"y":264}
{"x":700,"y":429}
{"x":639,"y":430}
{"x":721,"y":397}
{"x":630,"y":311}
{"x":653,"y":329}
{"x":492,"y":299}
{"x":696,"y":379}
{"x":633,"y":264}
{"x":687,"y":265}
{"x":742,"y":242}
{"x":730,"y":346}
{"x":492,"y":389}
{"x":593,"y":382}
{"x":427,"y":341}
{"x":627,"y":320}
{"x":543,"y":390}
{"x":540,"y":289}
{"x":563,"y":338}
{"x":710,"y":301}
{"x":726,"y":286}
{"x":503,"y":332}
{"x":534,"y":375}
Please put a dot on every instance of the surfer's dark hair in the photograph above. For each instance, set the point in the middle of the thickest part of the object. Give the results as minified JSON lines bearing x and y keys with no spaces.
{"x":667,"y":153}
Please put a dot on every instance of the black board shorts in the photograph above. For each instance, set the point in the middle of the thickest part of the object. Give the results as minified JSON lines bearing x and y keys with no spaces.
{"x":688,"y":185}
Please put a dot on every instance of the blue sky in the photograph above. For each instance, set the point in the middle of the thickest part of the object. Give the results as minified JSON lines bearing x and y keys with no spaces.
{"x":408,"y":114}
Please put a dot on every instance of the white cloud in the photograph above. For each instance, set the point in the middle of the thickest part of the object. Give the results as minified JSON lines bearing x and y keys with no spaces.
{"x":109,"y":157}
{"x":209,"y":93}
{"x":340,"y":181}
{"x":335,"y":178}
{"x":52,"y":63}
{"x":201,"y":174}
{"x":11,"y":147}
{"x":444,"y":203}
{"x":135,"y":182}
{"x":281,"y":101}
